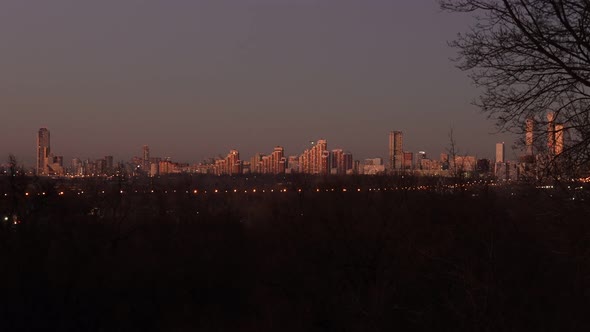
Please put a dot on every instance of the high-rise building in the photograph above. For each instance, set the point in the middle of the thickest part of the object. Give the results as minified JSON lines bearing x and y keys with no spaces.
{"x":278,"y":157}
{"x":500,"y":152}
{"x":233,"y":164}
{"x":109,"y":164}
{"x":421,"y":155}
{"x":312,"y":160}
{"x":348,"y":163}
{"x":408,"y":160}
{"x":530,"y":127}
{"x":77,"y":167}
{"x":255,"y":163}
{"x":292,"y":164}
{"x":43,"y":152}
{"x":337,"y":162}
{"x":500,"y":165}
{"x":145,"y":165}
{"x":551,"y":133}
{"x":395,"y":150}
{"x":559,"y":131}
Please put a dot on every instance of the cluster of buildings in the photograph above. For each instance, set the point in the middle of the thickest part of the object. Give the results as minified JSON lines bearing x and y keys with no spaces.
{"x":48,"y":164}
{"x":317,"y":159}
{"x":538,"y":157}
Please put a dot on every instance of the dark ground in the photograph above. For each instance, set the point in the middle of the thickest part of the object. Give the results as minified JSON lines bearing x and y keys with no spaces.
{"x":480,"y":259}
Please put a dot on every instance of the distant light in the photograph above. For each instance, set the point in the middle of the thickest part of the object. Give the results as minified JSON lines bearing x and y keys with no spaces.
{"x":344,"y":189}
{"x":216,"y":191}
{"x":121,"y":191}
{"x":26,"y":194}
{"x":5,"y":218}
{"x":195,"y":191}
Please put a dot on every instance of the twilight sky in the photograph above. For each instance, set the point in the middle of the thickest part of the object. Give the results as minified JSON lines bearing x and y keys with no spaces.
{"x":194,"y":78}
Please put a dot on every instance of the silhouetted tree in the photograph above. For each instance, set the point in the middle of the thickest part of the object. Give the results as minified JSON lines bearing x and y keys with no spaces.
{"x":531,"y":57}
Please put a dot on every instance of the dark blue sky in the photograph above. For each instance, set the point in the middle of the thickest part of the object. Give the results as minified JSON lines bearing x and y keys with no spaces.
{"x":194,"y":78}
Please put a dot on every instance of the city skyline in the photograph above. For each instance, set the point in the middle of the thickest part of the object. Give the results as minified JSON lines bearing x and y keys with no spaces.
{"x":317,"y":159}
{"x":190,"y":87}
{"x":47,"y":157}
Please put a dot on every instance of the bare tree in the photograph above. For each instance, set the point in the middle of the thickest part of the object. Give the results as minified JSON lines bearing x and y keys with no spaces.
{"x":531,"y":58}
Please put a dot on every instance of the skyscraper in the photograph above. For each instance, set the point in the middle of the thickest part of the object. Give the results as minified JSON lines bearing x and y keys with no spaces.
{"x":233,"y":164}
{"x":145,"y":165}
{"x":558,"y":139}
{"x":408,"y":160}
{"x":337,"y":162}
{"x":396,"y":153}
{"x":530,"y":127}
{"x":500,"y":165}
{"x":255,"y":163}
{"x":43,"y":150}
{"x":551,"y":132}
{"x":278,"y":156}
{"x":311,"y":160}
{"x":500,"y":152}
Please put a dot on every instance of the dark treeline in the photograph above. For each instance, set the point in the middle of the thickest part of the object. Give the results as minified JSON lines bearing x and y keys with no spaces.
{"x":480,"y":259}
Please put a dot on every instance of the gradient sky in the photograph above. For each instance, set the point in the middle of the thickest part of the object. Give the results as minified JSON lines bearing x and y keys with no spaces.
{"x":194,"y":78}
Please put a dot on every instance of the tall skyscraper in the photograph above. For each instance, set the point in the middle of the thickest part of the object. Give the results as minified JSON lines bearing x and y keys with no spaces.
{"x":558,"y":139}
{"x":43,"y":151}
{"x":530,"y":127}
{"x":278,"y":156}
{"x":500,"y":152}
{"x":312,"y":160}
{"x":233,"y":164}
{"x":145,"y":165}
{"x":337,"y":162}
{"x":551,"y":132}
{"x":396,"y":154}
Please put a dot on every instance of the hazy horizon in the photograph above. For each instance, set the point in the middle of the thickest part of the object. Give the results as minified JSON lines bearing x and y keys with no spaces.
{"x":195,"y":79}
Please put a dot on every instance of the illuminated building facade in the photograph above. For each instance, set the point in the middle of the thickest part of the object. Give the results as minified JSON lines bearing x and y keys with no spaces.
{"x":43,"y":152}
{"x":395,"y":151}
{"x":315,"y":159}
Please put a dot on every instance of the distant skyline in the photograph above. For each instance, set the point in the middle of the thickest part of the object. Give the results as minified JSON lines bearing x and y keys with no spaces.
{"x":194,"y":79}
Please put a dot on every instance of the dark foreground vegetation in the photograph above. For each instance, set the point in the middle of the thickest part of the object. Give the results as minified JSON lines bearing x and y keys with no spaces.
{"x":480,"y":259}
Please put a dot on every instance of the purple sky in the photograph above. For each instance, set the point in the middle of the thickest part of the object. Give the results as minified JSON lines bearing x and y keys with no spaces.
{"x":194,"y":78}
